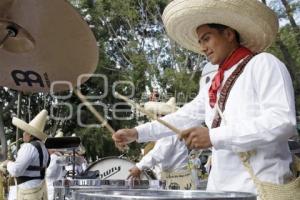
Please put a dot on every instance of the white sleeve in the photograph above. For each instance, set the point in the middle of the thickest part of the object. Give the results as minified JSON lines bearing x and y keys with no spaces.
{"x":276,"y":121}
{"x":190,"y":115}
{"x":158,"y":154}
{"x":25,"y":157}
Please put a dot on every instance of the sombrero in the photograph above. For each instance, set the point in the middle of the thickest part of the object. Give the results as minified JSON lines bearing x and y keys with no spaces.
{"x":161,"y":108}
{"x":35,"y":126}
{"x":255,"y":22}
{"x":59,"y":133}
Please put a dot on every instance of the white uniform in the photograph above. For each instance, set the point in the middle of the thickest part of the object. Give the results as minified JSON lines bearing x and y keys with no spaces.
{"x":169,"y":153}
{"x":27,"y":155}
{"x":53,"y":173}
{"x":260,"y":115}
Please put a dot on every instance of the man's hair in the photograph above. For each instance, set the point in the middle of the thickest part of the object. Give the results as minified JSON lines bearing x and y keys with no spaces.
{"x":221,"y":28}
{"x":33,"y":138}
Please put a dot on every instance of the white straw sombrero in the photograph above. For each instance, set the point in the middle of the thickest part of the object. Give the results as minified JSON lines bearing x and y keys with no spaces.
{"x":161,"y":108}
{"x":256,"y":23}
{"x":35,"y":127}
{"x":59,"y":133}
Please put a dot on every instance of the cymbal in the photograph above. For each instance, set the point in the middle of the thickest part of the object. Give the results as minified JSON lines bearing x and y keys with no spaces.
{"x":48,"y":42}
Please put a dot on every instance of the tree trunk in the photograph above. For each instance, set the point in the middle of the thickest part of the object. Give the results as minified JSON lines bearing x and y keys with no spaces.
{"x":18,"y":131}
{"x":295,"y":28}
{"x":3,"y":139}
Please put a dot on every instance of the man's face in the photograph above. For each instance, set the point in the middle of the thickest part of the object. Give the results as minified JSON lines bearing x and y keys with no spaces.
{"x":215,"y":44}
{"x":26,"y":137}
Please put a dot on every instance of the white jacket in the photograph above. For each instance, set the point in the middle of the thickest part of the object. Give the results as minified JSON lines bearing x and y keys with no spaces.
{"x":54,"y":172}
{"x":169,"y":153}
{"x":260,"y":115}
{"x":27,"y":155}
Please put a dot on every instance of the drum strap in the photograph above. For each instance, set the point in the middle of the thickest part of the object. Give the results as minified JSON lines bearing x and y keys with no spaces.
{"x":227,"y":88}
{"x":22,"y":179}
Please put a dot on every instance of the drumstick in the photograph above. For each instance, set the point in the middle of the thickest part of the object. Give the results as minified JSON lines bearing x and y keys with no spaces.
{"x":96,"y":114}
{"x":149,"y":114}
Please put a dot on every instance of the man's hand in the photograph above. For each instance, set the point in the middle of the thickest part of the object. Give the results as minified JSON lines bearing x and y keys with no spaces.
{"x":124,"y":136}
{"x":135,"y":173}
{"x":196,"y":138}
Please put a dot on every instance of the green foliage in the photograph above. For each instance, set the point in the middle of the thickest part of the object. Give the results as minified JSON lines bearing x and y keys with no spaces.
{"x":289,"y":53}
{"x":133,"y":47}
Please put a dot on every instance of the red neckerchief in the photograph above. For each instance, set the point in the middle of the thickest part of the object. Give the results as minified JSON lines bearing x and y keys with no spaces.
{"x":230,"y":61}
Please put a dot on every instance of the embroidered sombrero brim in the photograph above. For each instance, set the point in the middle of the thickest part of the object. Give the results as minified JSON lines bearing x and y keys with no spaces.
{"x":256,"y":23}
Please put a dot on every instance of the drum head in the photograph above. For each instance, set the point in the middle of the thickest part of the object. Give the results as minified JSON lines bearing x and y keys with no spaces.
{"x":114,"y":168}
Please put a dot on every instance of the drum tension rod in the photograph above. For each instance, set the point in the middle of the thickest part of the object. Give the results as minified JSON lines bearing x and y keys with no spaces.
{"x":11,"y":32}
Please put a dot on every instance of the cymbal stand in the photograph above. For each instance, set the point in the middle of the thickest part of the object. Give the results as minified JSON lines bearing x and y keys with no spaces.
{"x":73,"y":164}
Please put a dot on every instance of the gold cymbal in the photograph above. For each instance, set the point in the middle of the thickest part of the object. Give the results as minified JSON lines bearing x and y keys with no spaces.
{"x":44,"y":42}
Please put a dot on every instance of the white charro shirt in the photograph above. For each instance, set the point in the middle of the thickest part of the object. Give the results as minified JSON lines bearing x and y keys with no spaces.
{"x":169,"y":153}
{"x":260,"y":115}
{"x":53,"y":173}
{"x":27,"y":155}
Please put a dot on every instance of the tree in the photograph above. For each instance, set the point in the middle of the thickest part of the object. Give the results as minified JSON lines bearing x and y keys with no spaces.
{"x":134,"y":47}
{"x":295,"y":27}
{"x":286,"y":45}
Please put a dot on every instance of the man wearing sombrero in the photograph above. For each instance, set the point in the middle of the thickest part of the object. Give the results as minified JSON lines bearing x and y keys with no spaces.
{"x":32,"y":159}
{"x":249,"y":105}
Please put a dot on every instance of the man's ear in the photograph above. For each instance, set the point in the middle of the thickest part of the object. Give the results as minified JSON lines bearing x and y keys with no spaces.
{"x":229,"y":34}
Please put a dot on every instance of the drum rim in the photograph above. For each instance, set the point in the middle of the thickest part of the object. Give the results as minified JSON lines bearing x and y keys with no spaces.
{"x":104,"y":194}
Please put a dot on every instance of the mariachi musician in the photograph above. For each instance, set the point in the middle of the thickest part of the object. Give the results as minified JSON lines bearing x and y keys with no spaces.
{"x":54,"y":171}
{"x":169,"y":155}
{"x":32,"y":160}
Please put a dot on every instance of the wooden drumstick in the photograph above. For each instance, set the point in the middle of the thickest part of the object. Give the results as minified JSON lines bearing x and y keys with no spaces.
{"x":96,"y":114}
{"x":149,"y":114}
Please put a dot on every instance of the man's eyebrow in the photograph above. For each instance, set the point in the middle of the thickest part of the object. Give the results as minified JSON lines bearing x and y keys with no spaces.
{"x":201,"y":38}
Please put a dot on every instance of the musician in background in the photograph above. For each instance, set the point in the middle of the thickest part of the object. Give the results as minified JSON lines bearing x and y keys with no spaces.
{"x":166,"y":147}
{"x":31,"y":162}
{"x":80,"y":162}
{"x":55,"y":170}
{"x":195,"y":167}
{"x":154,"y":95}
{"x":169,"y":155}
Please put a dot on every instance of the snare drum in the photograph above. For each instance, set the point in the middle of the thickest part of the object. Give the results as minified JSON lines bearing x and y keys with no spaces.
{"x":114,"y":168}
